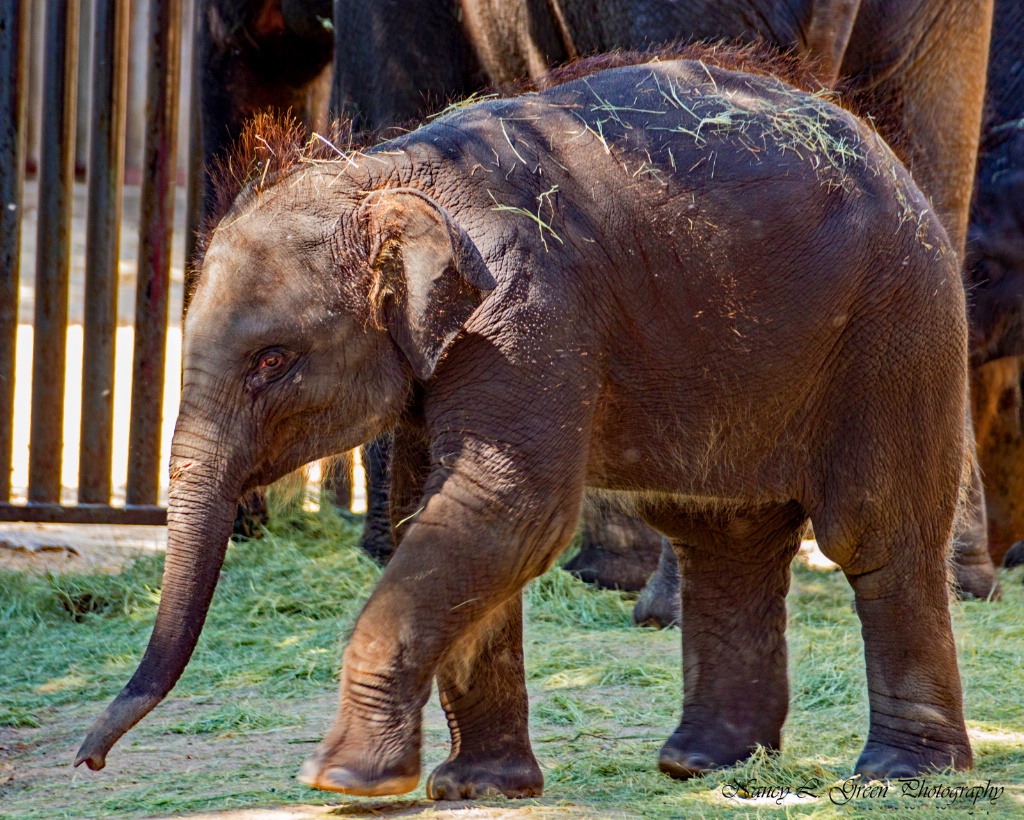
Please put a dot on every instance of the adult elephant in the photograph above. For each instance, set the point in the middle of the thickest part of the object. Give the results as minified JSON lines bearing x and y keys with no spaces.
{"x":995,"y":272}
{"x":270,"y":55}
{"x":918,"y":68}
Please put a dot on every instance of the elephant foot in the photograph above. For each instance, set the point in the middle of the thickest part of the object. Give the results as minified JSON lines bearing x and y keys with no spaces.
{"x":685,"y":755}
{"x":1014,"y":555}
{"x":976,"y":581}
{"x":659,"y":605}
{"x":512,"y":775}
{"x":355,"y":772}
{"x":879,"y":761}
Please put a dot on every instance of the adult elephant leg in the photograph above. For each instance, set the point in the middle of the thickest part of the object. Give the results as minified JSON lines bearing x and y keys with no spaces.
{"x":945,"y":72}
{"x":974,"y":574}
{"x":658,"y":604}
{"x":482,"y":683}
{"x":998,"y":407}
{"x":734,"y":579}
{"x":903,"y":76}
{"x":1014,"y":556}
{"x":336,"y":480}
{"x":251,"y":515}
{"x":619,"y":551}
{"x":377,"y":539}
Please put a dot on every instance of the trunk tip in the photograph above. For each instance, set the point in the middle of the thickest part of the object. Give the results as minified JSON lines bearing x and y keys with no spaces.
{"x":92,"y":757}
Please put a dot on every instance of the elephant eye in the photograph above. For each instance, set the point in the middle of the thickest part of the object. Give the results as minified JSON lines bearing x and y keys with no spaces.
{"x":271,"y":361}
{"x":268,"y":366}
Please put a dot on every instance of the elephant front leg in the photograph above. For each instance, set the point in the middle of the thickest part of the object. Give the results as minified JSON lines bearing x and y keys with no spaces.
{"x":482,"y":684}
{"x":373,"y":748}
{"x":735,"y":684}
{"x":422,"y":619}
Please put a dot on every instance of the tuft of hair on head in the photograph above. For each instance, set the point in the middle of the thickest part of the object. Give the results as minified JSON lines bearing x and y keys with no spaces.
{"x":270,"y":146}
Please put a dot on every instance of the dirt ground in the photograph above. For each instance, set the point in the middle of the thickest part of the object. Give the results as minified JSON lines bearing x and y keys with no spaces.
{"x":43,"y":755}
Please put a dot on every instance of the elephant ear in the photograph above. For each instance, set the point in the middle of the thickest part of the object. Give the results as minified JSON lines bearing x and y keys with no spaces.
{"x":429,"y":277}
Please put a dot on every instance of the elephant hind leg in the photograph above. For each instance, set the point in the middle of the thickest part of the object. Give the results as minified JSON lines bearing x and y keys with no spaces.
{"x":734,"y":578}
{"x":898,"y":569}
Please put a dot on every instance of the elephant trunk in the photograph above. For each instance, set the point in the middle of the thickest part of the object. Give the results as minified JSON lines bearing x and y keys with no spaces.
{"x":198,"y":528}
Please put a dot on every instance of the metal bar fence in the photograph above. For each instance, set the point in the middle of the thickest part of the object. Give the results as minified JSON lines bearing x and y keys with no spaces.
{"x":156,"y":227}
{"x":52,"y":30}
{"x":106,"y":163}
{"x":14,"y":48}
{"x":102,"y":249}
{"x":53,"y":252}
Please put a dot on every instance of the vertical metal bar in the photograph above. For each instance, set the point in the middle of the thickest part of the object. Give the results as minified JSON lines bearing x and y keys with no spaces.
{"x":137,"y":53}
{"x":53,"y":252}
{"x":196,"y":171}
{"x":36,"y":59}
{"x":102,"y":250}
{"x":14,"y":55}
{"x":156,"y":225}
{"x":85,"y":15}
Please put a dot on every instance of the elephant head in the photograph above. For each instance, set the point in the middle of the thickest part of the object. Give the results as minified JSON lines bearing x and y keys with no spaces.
{"x":304,"y":338}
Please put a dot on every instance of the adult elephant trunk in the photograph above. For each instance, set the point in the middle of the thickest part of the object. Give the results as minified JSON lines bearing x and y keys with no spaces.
{"x":202,"y":509}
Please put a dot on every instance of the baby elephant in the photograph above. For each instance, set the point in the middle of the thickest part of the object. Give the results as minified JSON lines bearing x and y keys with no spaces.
{"x":714,"y":298}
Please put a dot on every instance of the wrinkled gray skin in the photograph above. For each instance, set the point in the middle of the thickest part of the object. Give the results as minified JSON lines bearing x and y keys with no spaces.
{"x":769,"y":364}
{"x":917,"y":67}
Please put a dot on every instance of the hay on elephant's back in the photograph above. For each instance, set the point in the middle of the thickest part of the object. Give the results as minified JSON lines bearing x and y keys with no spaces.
{"x":808,"y":124}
